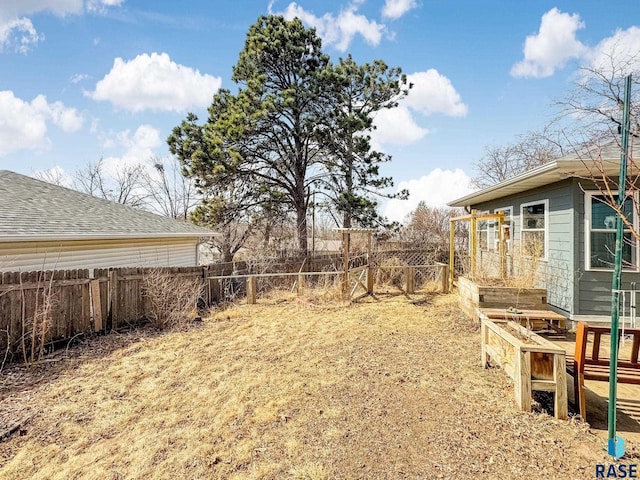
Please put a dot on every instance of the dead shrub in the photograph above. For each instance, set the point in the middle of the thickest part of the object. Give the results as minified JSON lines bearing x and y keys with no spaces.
{"x":173,"y":300}
{"x":36,"y":327}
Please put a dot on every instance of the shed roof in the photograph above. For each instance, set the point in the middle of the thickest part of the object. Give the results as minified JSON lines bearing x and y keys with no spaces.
{"x":32,"y":210}
{"x":575,"y":164}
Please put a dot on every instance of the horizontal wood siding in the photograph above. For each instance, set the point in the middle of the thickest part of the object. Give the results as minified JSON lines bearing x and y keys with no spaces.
{"x":31,"y":256}
{"x":557,"y":273}
{"x":593,"y":287}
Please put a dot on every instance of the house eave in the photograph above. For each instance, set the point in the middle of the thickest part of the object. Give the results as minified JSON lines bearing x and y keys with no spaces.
{"x":67,"y":238}
{"x":546,"y":174}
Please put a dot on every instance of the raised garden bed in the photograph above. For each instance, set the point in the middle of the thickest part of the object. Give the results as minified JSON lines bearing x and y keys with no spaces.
{"x":532,"y":362}
{"x":473,"y":296}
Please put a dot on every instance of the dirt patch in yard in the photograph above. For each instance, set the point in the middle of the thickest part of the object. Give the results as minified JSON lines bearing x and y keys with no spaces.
{"x":288,"y":388}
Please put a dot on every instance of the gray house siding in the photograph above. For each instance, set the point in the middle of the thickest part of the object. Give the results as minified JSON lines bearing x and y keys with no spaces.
{"x":593,"y":288}
{"x":556,"y":273}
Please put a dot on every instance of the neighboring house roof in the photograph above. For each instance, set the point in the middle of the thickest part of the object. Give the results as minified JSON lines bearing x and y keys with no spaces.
{"x":33,"y":210}
{"x":575,"y":164}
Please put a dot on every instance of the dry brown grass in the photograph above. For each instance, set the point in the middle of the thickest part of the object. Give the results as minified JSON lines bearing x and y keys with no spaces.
{"x":288,"y":388}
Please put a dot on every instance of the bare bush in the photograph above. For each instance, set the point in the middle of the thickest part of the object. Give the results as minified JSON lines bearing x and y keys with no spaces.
{"x":173,"y":301}
{"x":36,"y":327}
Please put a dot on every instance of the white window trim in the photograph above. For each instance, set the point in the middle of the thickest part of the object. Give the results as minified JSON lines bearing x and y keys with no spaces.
{"x":546,"y":225}
{"x":588,"y":196}
{"x":510,"y":219}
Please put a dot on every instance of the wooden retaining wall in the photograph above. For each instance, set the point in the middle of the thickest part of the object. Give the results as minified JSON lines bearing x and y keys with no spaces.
{"x":473,"y":296}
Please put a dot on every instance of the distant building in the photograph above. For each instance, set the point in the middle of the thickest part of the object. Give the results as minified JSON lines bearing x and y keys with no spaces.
{"x":47,"y":227}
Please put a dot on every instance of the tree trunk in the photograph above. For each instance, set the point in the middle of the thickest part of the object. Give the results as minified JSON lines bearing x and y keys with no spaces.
{"x":301,"y":221}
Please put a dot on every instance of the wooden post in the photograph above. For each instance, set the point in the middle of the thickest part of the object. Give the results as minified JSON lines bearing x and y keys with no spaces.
{"x":251,"y":290}
{"x":444,"y":278}
{"x":369,"y":265}
{"x":345,"y":251}
{"x":301,"y":283}
{"x":473,"y":237}
{"x":410,"y":274}
{"x":560,"y":378}
{"x":502,"y":250}
{"x":522,"y":385}
{"x":96,"y":305}
{"x":113,"y":298}
{"x":484,"y":331}
{"x":452,"y":251}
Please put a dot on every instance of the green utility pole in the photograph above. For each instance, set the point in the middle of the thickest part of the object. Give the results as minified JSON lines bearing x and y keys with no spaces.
{"x":616,"y":443}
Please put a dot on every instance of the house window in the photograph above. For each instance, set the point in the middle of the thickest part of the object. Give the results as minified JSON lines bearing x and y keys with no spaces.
{"x":534,"y":228}
{"x":600,"y":223}
{"x":482,"y":229}
{"x":507,"y":226}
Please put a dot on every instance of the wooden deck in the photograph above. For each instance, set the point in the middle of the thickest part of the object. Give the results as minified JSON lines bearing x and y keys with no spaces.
{"x":597,"y":397}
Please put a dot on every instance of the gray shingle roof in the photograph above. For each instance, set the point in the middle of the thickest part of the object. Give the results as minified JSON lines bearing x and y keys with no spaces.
{"x":31,"y":209}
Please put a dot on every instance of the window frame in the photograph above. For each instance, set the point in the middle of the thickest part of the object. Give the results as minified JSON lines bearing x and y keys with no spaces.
{"x":506,"y":219}
{"x":635,"y":253}
{"x":545,"y":230}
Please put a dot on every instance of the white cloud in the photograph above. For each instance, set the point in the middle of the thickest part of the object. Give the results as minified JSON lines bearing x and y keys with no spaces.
{"x":154,"y":82}
{"x":19,"y":33}
{"x":23,"y":125}
{"x":17,"y":29}
{"x":17,"y":8}
{"x":552,"y":47}
{"x":138,"y":148}
{"x":100,"y":6}
{"x":621,"y":50}
{"x":339,"y":30}
{"x":395,"y":126}
{"x":78,"y":77}
{"x":436,"y":189}
{"x":432,"y":92}
{"x":397,"y":8}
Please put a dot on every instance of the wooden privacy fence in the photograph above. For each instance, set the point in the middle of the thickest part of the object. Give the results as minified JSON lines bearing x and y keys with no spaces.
{"x":78,"y":301}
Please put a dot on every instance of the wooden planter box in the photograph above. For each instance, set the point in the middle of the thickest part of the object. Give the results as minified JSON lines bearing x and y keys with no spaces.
{"x":473,"y":296}
{"x":532,"y":362}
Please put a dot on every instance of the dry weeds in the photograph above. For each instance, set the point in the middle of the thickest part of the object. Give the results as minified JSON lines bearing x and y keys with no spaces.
{"x":288,"y":388}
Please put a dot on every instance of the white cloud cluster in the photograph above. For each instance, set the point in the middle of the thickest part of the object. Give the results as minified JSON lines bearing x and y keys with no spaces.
{"x":138,"y":148}
{"x":436,"y":189}
{"x":552,"y":47}
{"x":395,"y":126}
{"x":155,"y":82}
{"x":100,"y":6}
{"x":622,"y":50}
{"x":556,"y":43}
{"x":23,"y":125}
{"x":432,"y":93}
{"x":397,"y":8}
{"x":338,"y":30}
{"x":17,"y":31}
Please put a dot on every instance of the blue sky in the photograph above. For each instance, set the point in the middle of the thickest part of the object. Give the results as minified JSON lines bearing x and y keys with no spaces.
{"x":85,"y":79}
